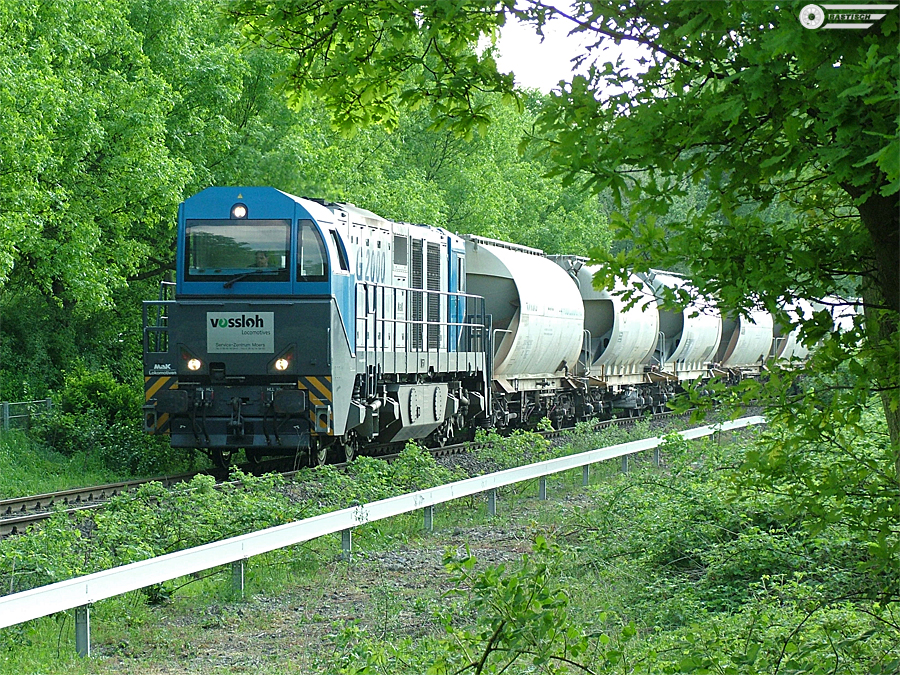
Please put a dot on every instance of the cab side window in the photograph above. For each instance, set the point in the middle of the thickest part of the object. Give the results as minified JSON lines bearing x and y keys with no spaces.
{"x":312,"y":261}
{"x":339,"y":247}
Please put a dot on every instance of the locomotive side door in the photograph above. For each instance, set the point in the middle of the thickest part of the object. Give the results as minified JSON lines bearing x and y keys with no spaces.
{"x":456,"y":305}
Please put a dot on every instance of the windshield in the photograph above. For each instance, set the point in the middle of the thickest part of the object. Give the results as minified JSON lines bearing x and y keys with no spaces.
{"x":225,"y":248}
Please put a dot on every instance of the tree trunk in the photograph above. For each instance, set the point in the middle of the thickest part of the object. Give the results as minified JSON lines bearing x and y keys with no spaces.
{"x":881,"y":217}
{"x":887,"y":333}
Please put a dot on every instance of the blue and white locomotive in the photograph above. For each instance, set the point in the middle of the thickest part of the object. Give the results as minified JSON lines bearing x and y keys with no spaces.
{"x":300,"y":327}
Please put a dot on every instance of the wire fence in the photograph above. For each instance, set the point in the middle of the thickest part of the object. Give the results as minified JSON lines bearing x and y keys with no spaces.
{"x":19,"y":415}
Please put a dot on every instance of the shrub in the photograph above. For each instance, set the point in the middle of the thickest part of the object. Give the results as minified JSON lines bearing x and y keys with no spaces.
{"x":416,"y":469}
{"x":98,"y":417}
{"x":98,"y":393}
{"x":520,"y":447}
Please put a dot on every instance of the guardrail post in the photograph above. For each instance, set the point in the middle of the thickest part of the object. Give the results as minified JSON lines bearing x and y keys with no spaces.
{"x":624,"y":463}
{"x":656,"y":456}
{"x":83,"y":630}
{"x":5,"y":416}
{"x":542,"y":489}
{"x":428,"y":511}
{"x":237,"y":576}
{"x":586,"y":475}
{"x":346,"y":544}
{"x":492,"y":502}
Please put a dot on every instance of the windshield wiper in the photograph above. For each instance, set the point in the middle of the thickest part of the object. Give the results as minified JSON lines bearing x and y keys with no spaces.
{"x":232,"y":280}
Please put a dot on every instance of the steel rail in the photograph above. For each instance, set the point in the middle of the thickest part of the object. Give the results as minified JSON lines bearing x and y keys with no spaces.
{"x":80,"y":496}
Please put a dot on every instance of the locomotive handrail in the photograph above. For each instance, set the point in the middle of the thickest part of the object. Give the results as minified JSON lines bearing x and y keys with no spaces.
{"x":158,"y":327}
{"x":467,"y":329}
{"x":80,"y":592}
{"x":436,"y":291}
{"x":494,"y":337}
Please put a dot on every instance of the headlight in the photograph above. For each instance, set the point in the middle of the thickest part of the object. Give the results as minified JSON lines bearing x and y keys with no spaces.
{"x":239,"y":211}
{"x":194,"y":364}
{"x":283,"y":363}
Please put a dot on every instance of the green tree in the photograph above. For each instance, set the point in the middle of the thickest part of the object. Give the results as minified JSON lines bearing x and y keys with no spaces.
{"x":482,"y":185}
{"x":86,"y":175}
{"x":361,"y":59}
{"x":113,"y":112}
{"x":793,"y":132}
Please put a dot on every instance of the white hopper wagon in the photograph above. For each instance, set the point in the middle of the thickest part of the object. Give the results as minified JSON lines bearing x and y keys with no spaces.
{"x":536,"y":311}
{"x":688,"y":338}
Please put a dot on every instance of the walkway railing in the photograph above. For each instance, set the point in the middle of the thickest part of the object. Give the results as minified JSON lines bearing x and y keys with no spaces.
{"x":80,"y":592}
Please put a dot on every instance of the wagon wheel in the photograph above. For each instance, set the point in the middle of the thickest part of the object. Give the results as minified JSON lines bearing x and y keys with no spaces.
{"x":253,"y":457}
{"x":444,"y":433}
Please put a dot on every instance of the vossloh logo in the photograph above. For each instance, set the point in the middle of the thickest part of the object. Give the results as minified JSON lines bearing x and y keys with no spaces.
{"x":240,"y":333}
{"x":243,"y":321}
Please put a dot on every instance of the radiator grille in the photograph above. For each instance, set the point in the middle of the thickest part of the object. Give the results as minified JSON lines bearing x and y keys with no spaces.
{"x":415,"y":301}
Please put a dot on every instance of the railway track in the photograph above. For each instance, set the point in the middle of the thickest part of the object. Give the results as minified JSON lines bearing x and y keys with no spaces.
{"x":19,"y":513}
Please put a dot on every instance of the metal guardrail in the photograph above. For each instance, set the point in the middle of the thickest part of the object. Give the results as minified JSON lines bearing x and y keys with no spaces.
{"x":80,"y":592}
{"x":9,"y":411}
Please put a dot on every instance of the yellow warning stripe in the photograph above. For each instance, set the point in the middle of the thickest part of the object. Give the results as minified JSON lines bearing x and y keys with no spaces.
{"x":154,"y":384}
{"x":318,"y":389}
{"x":323,"y":387}
{"x":320,"y":385}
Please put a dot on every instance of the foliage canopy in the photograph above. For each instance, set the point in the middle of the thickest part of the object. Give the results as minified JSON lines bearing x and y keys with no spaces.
{"x":792,"y":134}
{"x":115,"y":111}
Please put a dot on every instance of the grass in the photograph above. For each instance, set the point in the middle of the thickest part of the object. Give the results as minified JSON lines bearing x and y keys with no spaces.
{"x":26,"y":468}
{"x":205,"y":611}
{"x":127,"y":627}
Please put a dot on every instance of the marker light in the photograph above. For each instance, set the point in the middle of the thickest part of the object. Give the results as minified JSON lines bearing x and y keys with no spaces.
{"x":194,"y":364}
{"x":239,"y":211}
{"x":282,"y":364}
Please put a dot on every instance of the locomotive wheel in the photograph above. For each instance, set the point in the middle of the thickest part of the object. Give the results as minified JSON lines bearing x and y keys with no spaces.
{"x":318,"y":455}
{"x":221,"y":457}
{"x":350,"y":447}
